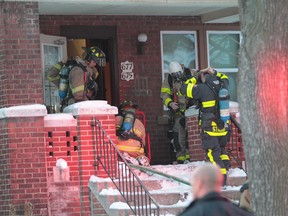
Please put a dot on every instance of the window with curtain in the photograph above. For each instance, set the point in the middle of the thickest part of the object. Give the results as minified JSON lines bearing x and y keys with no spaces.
{"x":223,"y":49}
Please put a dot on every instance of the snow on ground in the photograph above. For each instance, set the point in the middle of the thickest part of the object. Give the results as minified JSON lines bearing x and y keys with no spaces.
{"x":181,"y":171}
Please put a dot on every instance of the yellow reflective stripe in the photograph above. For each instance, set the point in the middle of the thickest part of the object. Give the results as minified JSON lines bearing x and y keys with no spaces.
{"x":182,"y":110}
{"x":189,"y":90}
{"x":181,"y":158}
{"x":221,"y":76}
{"x":77,"y":89}
{"x":166,"y":90}
{"x":216,"y":133}
{"x":206,"y":104}
{"x":210,"y":156}
{"x":130,"y":148}
{"x":58,"y":66}
{"x":224,"y":157}
{"x":223,"y":171}
{"x":167,"y":101}
{"x":53,"y":78}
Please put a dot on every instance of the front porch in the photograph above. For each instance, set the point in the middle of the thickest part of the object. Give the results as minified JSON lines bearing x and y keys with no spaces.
{"x":52,"y":161}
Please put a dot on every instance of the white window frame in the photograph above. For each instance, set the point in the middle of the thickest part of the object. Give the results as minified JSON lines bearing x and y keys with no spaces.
{"x":230,"y":70}
{"x":180,"y":33}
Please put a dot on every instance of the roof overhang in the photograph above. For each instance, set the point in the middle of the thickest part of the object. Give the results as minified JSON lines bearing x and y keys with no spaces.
{"x":210,"y":11}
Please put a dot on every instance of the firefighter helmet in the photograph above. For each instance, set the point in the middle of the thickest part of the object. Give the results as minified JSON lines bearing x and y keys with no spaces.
{"x":127,"y":104}
{"x":95,"y":54}
{"x":176,"y":70}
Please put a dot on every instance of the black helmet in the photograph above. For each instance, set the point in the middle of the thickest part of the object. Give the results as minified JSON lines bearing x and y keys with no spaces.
{"x":95,"y":54}
{"x":127,"y":104}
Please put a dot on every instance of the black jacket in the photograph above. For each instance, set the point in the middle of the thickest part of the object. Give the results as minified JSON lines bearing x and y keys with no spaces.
{"x":213,"y":204}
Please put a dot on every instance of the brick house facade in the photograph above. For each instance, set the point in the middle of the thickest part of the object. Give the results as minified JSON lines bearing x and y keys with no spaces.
{"x":147,"y":65}
{"x":21,"y":81}
{"x":21,"y":75}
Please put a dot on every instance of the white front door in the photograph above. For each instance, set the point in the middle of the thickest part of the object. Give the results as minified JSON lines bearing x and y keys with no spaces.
{"x":53,"y":50}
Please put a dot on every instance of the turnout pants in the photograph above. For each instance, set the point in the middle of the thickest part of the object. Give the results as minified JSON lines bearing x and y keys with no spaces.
{"x":215,"y":150}
{"x":179,"y":139}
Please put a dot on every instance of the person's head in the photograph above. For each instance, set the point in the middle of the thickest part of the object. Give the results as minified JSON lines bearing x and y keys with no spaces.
{"x":176,"y":70}
{"x":127,"y":104}
{"x":94,"y":56}
{"x":205,"y":179}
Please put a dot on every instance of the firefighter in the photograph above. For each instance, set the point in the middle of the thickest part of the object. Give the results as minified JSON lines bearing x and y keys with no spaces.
{"x":82,"y":77}
{"x":177,"y":104}
{"x":131,"y":134}
{"x":215,"y":133}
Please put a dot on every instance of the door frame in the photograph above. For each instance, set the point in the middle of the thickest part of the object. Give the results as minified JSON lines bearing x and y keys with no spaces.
{"x":51,"y":97}
{"x":108,"y":33}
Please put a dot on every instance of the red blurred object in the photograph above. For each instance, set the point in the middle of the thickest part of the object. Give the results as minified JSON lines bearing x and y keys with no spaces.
{"x":142,"y":117}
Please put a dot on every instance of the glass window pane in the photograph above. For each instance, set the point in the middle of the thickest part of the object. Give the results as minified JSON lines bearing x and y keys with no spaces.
{"x":179,"y":46}
{"x":223,"y":49}
{"x":52,"y":54}
{"x":232,"y":86}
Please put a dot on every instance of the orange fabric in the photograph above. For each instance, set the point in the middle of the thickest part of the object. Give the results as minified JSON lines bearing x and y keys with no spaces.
{"x":132,"y":146}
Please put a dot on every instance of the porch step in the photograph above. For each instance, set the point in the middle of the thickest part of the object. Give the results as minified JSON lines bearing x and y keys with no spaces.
{"x":172,"y":197}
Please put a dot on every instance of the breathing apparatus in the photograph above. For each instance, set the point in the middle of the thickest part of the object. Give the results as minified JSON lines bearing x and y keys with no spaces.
{"x":127,"y":112}
{"x":222,"y":95}
{"x":176,"y":70}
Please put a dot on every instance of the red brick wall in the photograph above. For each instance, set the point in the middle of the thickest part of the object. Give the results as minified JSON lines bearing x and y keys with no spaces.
{"x":32,"y":145}
{"x":194,"y":140}
{"x":23,"y":171}
{"x":5,"y":182}
{"x":74,"y":141}
{"x":147,"y":65}
{"x":61,"y":143}
{"x":2,"y":56}
{"x":20,"y":56}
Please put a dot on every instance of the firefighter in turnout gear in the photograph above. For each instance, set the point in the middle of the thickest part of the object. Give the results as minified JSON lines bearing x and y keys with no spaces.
{"x":82,"y":77}
{"x":131,"y":134}
{"x":79,"y":82}
{"x":215,"y":133}
{"x":177,"y":104}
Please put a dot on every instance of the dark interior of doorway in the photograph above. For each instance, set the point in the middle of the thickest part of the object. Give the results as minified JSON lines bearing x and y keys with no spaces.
{"x":105,"y":37}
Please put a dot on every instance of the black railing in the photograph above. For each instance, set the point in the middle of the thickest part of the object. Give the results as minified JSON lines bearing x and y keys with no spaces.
{"x":122,"y":175}
{"x":235,"y":146}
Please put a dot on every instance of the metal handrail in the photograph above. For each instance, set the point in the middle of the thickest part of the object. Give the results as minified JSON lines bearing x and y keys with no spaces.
{"x":122,"y":175}
{"x":235,"y":146}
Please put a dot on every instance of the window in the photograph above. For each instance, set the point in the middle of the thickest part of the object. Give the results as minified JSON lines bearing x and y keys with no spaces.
{"x":223,"y":48}
{"x":180,"y":46}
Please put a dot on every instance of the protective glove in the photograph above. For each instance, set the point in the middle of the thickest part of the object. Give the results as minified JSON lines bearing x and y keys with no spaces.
{"x":209,"y":70}
{"x":173,"y":105}
{"x":194,"y":72}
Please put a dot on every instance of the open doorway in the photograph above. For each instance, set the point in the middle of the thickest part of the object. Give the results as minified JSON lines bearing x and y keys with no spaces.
{"x":74,"y":48}
{"x":105,"y":39}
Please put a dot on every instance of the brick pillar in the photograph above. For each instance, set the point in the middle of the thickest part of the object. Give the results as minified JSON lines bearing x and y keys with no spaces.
{"x":63,"y":177}
{"x":86,"y":113}
{"x":20,"y":56}
{"x":23,"y":177}
{"x":194,"y":140}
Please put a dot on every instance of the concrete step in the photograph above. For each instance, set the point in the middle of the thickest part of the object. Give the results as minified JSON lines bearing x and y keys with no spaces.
{"x":160,"y":198}
{"x":235,"y":181}
{"x":164,"y":210}
{"x":172,"y":197}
